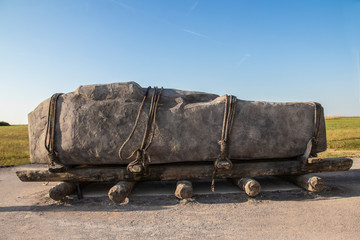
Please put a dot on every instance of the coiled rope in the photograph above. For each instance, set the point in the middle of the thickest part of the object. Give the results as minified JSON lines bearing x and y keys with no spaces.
{"x":142,"y":157}
{"x":223,"y":161}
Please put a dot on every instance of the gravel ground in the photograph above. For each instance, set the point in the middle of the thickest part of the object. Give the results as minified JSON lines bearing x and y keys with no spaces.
{"x":26,"y":212}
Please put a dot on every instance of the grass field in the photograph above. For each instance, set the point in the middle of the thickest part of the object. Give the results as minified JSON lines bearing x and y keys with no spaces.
{"x":14,"y":145}
{"x":343,"y":136}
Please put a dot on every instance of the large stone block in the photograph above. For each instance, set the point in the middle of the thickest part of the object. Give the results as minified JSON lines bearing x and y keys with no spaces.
{"x":94,"y":121}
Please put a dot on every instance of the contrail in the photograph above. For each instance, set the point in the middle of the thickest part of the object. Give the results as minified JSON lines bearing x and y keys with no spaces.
{"x":195,"y":33}
{"x":124,"y":5}
{"x":193,"y":6}
{"x":246,"y":56}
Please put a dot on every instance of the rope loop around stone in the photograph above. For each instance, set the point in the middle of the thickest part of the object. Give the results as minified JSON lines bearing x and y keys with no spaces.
{"x":317,"y":119}
{"x":138,"y":166}
{"x":50,"y":136}
{"x":223,"y":160}
{"x":53,"y":157}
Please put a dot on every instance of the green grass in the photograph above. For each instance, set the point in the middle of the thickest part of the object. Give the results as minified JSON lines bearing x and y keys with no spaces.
{"x":343,"y":136}
{"x":14,"y":145}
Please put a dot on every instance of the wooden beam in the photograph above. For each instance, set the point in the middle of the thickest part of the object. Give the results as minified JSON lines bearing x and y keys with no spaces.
{"x":120,"y":191}
{"x":186,"y":171}
{"x":61,"y":190}
{"x":251,"y":187}
{"x":184,"y":189}
{"x":308,"y":182}
{"x":314,"y":160}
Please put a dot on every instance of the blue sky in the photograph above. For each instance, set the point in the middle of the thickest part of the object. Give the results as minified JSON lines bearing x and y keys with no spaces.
{"x":257,"y":50}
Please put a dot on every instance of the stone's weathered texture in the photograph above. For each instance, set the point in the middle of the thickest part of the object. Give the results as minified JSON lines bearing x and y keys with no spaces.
{"x":120,"y":191}
{"x":184,"y":189}
{"x":94,"y":121}
{"x":61,"y":190}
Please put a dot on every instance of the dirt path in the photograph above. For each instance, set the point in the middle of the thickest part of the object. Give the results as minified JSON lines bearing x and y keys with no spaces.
{"x":26,"y":212}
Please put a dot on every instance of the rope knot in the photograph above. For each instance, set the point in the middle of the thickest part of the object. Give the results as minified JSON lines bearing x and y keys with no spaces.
{"x":139,"y":155}
{"x":138,"y":165}
{"x":315,"y":140}
{"x":53,"y":157}
{"x":223,"y":163}
{"x":223,"y":160}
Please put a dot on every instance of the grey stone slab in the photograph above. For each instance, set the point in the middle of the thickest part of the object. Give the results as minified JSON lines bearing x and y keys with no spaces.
{"x":94,"y":121}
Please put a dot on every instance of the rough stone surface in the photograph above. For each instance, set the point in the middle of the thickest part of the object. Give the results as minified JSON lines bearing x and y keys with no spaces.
{"x":94,"y":121}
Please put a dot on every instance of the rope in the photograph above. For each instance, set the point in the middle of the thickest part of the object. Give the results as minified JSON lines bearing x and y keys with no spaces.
{"x":223,"y":161}
{"x":50,"y":130}
{"x":133,"y":129}
{"x":317,"y":115}
{"x":318,"y":112}
{"x":139,"y":164}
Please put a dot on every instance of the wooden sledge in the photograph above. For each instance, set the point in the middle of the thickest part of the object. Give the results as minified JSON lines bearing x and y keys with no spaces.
{"x":189,"y":171}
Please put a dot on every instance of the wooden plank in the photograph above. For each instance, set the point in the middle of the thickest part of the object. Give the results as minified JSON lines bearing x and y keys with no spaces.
{"x":184,"y":189}
{"x":251,"y":187}
{"x":314,"y":160}
{"x":308,"y":182}
{"x":120,"y":191}
{"x":186,"y":171}
{"x":61,"y":190}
